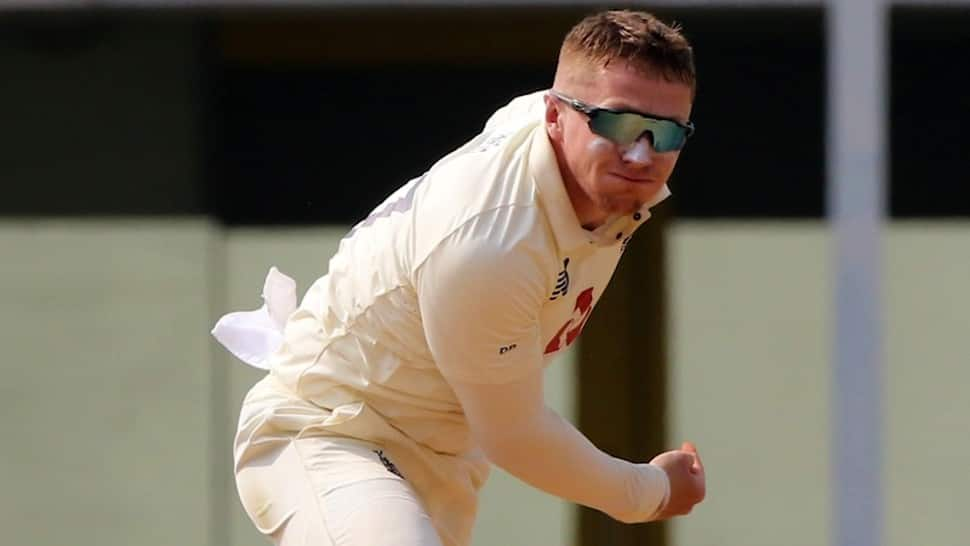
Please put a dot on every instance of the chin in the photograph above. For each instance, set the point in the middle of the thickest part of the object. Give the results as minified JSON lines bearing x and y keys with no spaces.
{"x":621,"y":205}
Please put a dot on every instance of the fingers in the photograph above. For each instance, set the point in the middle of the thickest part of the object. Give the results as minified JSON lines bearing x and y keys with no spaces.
{"x":697,"y":466}
{"x":688,"y":485}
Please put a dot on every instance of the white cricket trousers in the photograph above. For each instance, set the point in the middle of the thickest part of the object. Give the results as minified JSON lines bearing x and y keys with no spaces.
{"x":332,"y":492}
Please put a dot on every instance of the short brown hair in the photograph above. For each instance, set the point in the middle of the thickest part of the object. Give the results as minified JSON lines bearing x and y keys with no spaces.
{"x":637,"y":37}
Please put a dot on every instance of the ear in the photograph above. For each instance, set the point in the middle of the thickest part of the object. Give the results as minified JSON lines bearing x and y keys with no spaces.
{"x":553,"y":119}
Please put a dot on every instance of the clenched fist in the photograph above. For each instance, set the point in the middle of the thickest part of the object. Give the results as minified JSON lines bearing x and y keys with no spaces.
{"x":687,"y":484}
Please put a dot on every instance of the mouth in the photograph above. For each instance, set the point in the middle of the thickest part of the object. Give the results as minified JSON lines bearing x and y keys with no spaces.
{"x":633,"y":179}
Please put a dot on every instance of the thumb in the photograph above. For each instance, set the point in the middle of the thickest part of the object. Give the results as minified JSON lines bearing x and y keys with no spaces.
{"x":688,"y":447}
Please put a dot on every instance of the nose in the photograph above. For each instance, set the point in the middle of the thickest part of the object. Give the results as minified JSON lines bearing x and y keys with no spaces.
{"x":640,"y":152}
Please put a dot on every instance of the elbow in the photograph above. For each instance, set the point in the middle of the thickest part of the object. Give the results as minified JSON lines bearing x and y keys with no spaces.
{"x":512,"y":446}
{"x":500,"y":451}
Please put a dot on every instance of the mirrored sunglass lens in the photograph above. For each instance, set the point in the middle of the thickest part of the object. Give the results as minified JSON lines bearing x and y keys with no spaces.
{"x":626,"y":128}
{"x":622,"y":129}
{"x":668,"y":136}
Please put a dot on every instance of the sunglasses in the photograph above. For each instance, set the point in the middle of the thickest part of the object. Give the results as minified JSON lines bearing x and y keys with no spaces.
{"x":624,"y":127}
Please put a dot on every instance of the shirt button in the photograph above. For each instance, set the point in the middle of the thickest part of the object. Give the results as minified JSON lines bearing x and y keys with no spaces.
{"x":637,"y":216}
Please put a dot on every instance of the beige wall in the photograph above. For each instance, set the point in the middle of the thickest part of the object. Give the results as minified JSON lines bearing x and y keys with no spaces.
{"x":118,"y":408}
{"x":750,"y":309}
{"x":105,"y":397}
{"x":751,"y":333}
{"x":928,"y":404}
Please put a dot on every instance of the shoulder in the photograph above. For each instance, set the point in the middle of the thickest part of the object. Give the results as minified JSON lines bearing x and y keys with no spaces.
{"x":500,"y":248}
{"x":486,"y":195}
{"x":525,"y":108}
{"x":489,"y":170}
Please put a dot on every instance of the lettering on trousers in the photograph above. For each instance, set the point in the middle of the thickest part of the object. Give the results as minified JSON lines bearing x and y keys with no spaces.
{"x":390,"y":466}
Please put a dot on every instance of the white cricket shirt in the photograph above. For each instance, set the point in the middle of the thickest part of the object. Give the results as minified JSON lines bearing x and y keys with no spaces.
{"x":478,"y":270}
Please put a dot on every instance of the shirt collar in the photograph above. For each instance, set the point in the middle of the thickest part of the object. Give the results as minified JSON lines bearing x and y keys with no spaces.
{"x":569,"y":233}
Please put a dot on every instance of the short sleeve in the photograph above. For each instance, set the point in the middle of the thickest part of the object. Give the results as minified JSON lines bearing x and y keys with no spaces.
{"x":480,"y":293}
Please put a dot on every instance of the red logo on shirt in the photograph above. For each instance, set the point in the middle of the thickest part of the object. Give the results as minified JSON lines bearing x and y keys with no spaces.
{"x":570,"y":331}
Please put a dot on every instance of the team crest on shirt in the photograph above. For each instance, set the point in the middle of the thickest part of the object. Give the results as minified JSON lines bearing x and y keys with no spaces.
{"x":574,"y":326}
{"x":562,"y":282}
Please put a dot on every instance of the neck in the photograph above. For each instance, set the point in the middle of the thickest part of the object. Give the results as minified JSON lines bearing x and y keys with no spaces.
{"x":588,"y":215}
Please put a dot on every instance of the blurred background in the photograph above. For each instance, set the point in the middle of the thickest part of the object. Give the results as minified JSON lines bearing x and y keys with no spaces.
{"x":156,"y":159}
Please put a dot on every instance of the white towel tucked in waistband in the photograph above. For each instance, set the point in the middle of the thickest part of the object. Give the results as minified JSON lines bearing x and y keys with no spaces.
{"x":252,"y":336}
